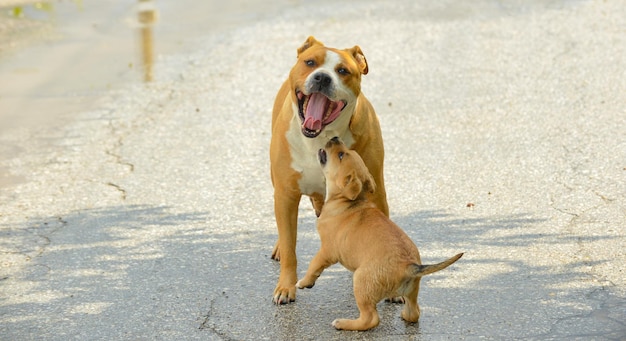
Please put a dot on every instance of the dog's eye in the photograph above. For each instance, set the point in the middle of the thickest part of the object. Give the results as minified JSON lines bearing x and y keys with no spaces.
{"x":309,"y":62}
{"x":340,"y":156}
{"x":343,"y":71}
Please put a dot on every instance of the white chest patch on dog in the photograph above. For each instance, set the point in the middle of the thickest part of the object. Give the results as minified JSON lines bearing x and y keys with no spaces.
{"x":304,"y":151}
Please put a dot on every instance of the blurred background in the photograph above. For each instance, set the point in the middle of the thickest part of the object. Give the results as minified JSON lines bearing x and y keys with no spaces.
{"x":55,"y":56}
{"x":58,"y":57}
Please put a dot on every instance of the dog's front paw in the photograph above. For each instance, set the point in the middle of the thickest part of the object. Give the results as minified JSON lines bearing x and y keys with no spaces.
{"x":284,"y":295}
{"x":301,"y":284}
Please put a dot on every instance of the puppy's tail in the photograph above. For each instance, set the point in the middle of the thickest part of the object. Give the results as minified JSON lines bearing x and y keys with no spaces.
{"x":418,"y":270}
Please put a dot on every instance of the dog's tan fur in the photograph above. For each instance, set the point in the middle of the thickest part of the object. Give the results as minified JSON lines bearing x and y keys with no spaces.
{"x":293,"y":156}
{"x":354,"y":232}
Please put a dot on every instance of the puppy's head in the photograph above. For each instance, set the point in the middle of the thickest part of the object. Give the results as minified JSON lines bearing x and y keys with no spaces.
{"x":345,"y":172}
{"x":325,"y":84}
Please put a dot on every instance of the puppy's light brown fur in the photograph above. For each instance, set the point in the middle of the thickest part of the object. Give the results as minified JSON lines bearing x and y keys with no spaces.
{"x":354,"y":232}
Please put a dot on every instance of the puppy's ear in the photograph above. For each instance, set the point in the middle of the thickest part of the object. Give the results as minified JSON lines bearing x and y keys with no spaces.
{"x":369,"y":185}
{"x":359,"y":58}
{"x":352,"y":186}
{"x":308,"y":43}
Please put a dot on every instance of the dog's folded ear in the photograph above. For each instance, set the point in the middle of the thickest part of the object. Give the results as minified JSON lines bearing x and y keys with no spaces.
{"x":351,"y":185}
{"x":308,"y":43}
{"x":359,"y":57}
{"x":369,"y":185}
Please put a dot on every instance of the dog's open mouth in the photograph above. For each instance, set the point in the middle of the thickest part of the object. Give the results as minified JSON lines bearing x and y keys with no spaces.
{"x":317,"y":111}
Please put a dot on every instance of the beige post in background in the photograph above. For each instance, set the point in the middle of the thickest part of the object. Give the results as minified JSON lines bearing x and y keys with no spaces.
{"x":147,"y":18}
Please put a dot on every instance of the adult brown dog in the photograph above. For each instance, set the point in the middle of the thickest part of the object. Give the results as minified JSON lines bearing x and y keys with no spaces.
{"x":354,"y":232}
{"x":321,"y":98}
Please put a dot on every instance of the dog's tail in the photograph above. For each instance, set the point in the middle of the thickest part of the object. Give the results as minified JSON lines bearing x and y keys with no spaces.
{"x":419,"y":270}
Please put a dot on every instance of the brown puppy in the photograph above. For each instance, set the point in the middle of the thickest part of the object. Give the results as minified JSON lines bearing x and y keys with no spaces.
{"x":354,"y":232}
{"x":320,"y":99}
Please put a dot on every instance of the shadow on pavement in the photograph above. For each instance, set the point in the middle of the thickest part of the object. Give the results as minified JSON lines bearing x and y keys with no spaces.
{"x":156,"y":272}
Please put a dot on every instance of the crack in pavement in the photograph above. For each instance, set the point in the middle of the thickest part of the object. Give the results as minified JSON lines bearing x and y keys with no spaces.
{"x":208,"y":325}
{"x":601,"y":315}
{"x":118,"y":158}
{"x":119,"y":188}
{"x":23,"y":245}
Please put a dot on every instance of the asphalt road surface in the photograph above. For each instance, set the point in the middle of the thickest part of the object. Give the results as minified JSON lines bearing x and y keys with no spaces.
{"x":144,"y":211}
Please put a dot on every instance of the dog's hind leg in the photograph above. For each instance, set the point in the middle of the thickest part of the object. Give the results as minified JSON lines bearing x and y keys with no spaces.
{"x":366,"y":302}
{"x":411,"y":311}
{"x":276,"y":251}
{"x":318,"y":202}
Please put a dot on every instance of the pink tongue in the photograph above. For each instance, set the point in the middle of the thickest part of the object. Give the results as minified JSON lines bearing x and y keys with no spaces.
{"x":315,"y":111}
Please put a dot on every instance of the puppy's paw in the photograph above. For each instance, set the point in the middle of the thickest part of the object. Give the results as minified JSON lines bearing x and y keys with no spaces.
{"x":358,"y":324}
{"x":301,"y":284}
{"x":410,"y":315}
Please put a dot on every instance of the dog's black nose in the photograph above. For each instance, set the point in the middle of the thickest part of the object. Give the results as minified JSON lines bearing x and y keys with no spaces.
{"x":335,"y":139}
{"x":322,"y":80}
{"x":321,"y":155}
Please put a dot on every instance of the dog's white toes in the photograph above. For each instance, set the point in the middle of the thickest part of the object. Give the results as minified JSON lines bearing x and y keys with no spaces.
{"x":280,"y":299}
